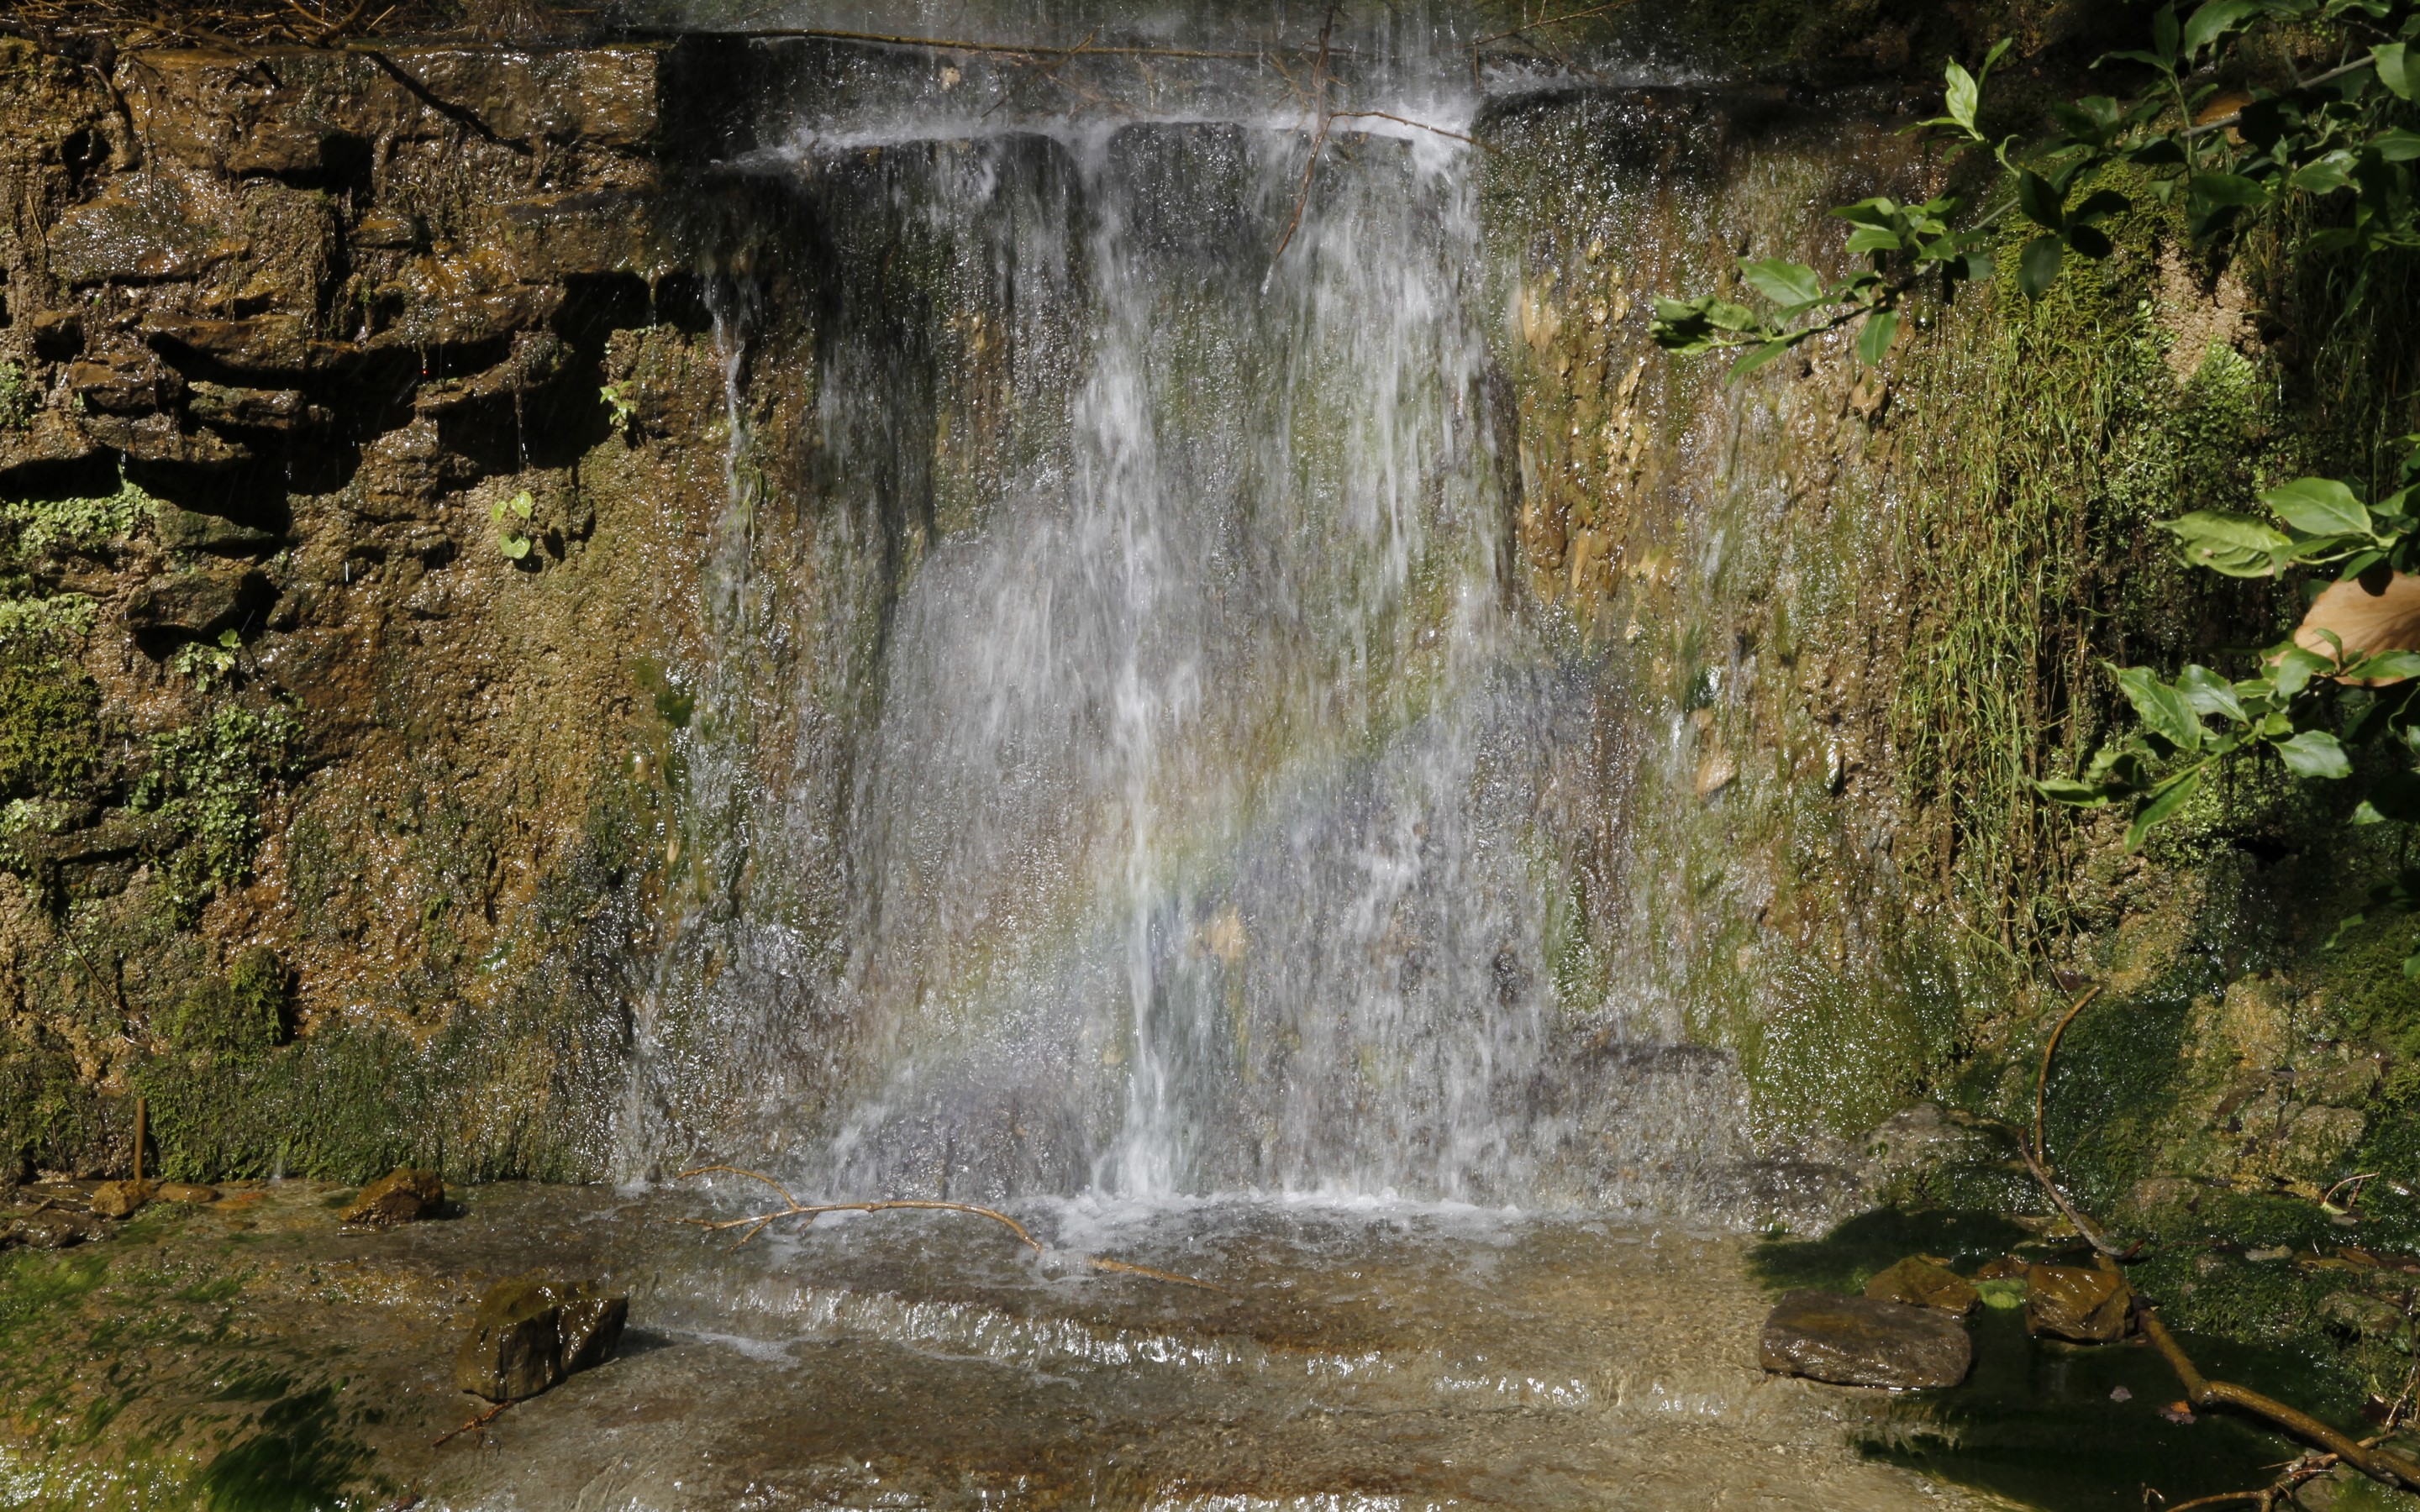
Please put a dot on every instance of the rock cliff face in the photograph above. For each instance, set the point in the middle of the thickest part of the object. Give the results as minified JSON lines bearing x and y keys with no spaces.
{"x":355,"y":459}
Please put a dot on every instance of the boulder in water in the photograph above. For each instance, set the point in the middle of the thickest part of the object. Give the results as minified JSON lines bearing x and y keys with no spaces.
{"x":1865,"y":1341}
{"x":2077,"y":1302}
{"x":400,"y":1197}
{"x":1922,"y":1282}
{"x":186,"y":1191}
{"x":531,"y":1333}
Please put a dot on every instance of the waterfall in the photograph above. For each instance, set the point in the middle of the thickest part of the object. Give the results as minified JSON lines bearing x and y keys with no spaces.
{"x":1127,"y":764}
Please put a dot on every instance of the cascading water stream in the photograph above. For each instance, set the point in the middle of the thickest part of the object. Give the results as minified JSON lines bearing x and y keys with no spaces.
{"x":1126,"y":777}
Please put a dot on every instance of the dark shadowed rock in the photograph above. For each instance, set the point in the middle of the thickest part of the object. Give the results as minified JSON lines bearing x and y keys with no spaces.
{"x":531,"y":1333}
{"x":2077,"y":1302}
{"x":44,"y":1228}
{"x":1862,"y":1341}
{"x":1919,"y":1283}
{"x":400,"y":1197}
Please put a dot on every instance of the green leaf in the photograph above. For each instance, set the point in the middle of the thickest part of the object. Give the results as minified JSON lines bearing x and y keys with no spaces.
{"x":2324,"y":175}
{"x":1964,"y":96}
{"x":2227,"y":191}
{"x":515,"y":546}
{"x":2090,"y":240}
{"x":2238,"y":545}
{"x":2164,"y":800}
{"x":2395,"y":145}
{"x":2386,"y":667}
{"x":2216,"y":20}
{"x":2100,"y":206}
{"x":2038,"y":266}
{"x":2348,"y":921}
{"x":1783,"y":283}
{"x":523,"y":505}
{"x":1757,"y":356}
{"x":2292,"y":672}
{"x":2041,"y":201}
{"x":2315,"y":753}
{"x":1867,"y":239}
{"x":2209,"y":693}
{"x":2165,"y":711}
{"x":2072,"y":793}
{"x":1874,"y":341}
{"x":2320,"y":506}
{"x":2397,"y":68}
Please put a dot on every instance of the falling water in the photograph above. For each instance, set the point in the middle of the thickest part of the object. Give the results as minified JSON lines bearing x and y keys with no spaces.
{"x":1126,"y":766}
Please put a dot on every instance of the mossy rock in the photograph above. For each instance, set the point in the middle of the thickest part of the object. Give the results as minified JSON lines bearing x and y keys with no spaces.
{"x":240,"y":1015}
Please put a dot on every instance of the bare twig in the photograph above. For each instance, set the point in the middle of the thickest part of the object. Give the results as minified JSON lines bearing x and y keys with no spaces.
{"x":2041,"y":1083}
{"x":1405,"y":120}
{"x":1525,"y":27}
{"x":755,"y":1222}
{"x":2377,"y":1463}
{"x":1318,"y":139}
{"x":479,"y":1422}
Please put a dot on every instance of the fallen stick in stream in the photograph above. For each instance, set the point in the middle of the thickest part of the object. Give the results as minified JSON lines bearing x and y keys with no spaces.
{"x":756,"y":1224}
{"x":2379,"y":1464}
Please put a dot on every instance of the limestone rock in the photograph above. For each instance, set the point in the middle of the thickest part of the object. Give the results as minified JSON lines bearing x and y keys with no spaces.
{"x":121,"y":1199}
{"x":1919,"y":1283}
{"x":186,"y":1191}
{"x":401,"y":1197}
{"x":2077,"y":1302}
{"x":201,"y":600}
{"x":1862,"y":1341}
{"x":531,"y":1333}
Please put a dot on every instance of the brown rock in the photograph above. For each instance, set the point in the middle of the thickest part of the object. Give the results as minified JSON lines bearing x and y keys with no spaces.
{"x":2077,"y":1302}
{"x":201,"y":600}
{"x":186,"y":1191}
{"x":1861,"y":1341}
{"x":44,"y":1228}
{"x":121,"y":1199}
{"x":531,"y":1333}
{"x":403,"y":1196}
{"x":1919,"y":1283}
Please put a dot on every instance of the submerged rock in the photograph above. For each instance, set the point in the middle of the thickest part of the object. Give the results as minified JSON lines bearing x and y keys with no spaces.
{"x":186,"y":1191}
{"x":1920,"y":1283}
{"x":401,"y":1197}
{"x":121,"y":1199}
{"x":531,"y":1333}
{"x":44,"y":1228}
{"x":2077,"y":1302}
{"x":1863,"y":1341}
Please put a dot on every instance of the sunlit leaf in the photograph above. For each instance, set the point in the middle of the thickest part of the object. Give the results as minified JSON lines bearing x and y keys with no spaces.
{"x":1963,"y":95}
{"x":2164,"y":710}
{"x":1874,"y":341}
{"x":2315,"y":753}
{"x":2074,"y":795}
{"x":2320,"y":506}
{"x":2209,"y":693}
{"x":1782,"y":281}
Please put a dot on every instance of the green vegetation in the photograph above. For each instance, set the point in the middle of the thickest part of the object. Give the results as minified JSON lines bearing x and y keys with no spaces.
{"x":511,"y":518}
{"x":206,"y":785}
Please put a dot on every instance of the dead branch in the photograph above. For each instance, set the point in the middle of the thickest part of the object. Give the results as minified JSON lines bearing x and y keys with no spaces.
{"x":479,"y":1422}
{"x":2041,"y":1083}
{"x":1318,"y":139}
{"x":1406,"y":120}
{"x":1568,"y":17}
{"x":2377,"y":1463}
{"x":757,"y":1222}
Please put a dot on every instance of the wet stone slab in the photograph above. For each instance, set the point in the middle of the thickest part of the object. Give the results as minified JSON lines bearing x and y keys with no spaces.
{"x":254,"y":1351}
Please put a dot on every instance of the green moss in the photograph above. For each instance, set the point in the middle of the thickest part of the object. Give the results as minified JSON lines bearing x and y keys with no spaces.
{"x":18,"y":398}
{"x":50,"y":729}
{"x":237,"y":1017}
{"x":206,"y":785}
{"x":43,"y":527}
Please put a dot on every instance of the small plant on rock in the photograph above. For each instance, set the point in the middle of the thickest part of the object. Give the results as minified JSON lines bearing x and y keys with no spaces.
{"x":512,"y":521}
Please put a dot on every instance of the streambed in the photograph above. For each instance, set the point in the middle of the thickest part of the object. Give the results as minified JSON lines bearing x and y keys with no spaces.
{"x":1363,"y":1353}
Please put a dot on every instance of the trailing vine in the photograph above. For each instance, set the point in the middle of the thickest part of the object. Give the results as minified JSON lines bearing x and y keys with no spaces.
{"x":2328,"y":158}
